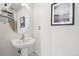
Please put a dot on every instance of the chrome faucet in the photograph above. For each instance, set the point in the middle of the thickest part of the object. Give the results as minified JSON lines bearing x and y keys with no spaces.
{"x":22,"y":37}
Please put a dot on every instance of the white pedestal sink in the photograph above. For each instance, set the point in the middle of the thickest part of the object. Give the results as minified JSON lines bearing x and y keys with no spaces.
{"x":23,"y":44}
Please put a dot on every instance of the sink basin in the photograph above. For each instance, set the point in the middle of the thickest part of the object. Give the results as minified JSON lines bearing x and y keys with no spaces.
{"x":25,"y":43}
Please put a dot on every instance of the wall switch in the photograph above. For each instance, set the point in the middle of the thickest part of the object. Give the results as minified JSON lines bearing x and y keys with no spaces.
{"x":38,"y":27}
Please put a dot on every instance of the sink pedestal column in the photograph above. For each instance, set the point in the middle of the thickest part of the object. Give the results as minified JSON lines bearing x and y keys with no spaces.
{"x":24,"y":52}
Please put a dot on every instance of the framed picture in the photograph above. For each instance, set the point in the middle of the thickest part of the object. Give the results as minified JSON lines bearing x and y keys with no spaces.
{"x":22,"y":22}
{"x":62,"y":14}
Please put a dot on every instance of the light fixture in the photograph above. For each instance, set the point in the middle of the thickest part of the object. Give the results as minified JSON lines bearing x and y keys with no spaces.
{"x":23,"y":4}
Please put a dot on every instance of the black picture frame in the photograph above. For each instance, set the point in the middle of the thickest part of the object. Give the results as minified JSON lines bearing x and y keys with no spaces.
{"x":22,"y":22}
{"x":59,"y":16}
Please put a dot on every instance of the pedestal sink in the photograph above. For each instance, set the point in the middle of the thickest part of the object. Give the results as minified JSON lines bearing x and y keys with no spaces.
{"x":23,"y":44}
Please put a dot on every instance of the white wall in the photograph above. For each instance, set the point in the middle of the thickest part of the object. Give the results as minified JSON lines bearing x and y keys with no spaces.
{"x":6,"y":35}
{"x":65,"y":39}
{"x":41,"y":14}
{"x":36,"y":23}
{"x":56,"y":40}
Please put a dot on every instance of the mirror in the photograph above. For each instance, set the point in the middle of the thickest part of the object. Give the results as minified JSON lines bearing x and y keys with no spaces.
{"x":21,"y":20}
{"x":13,"y":25}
